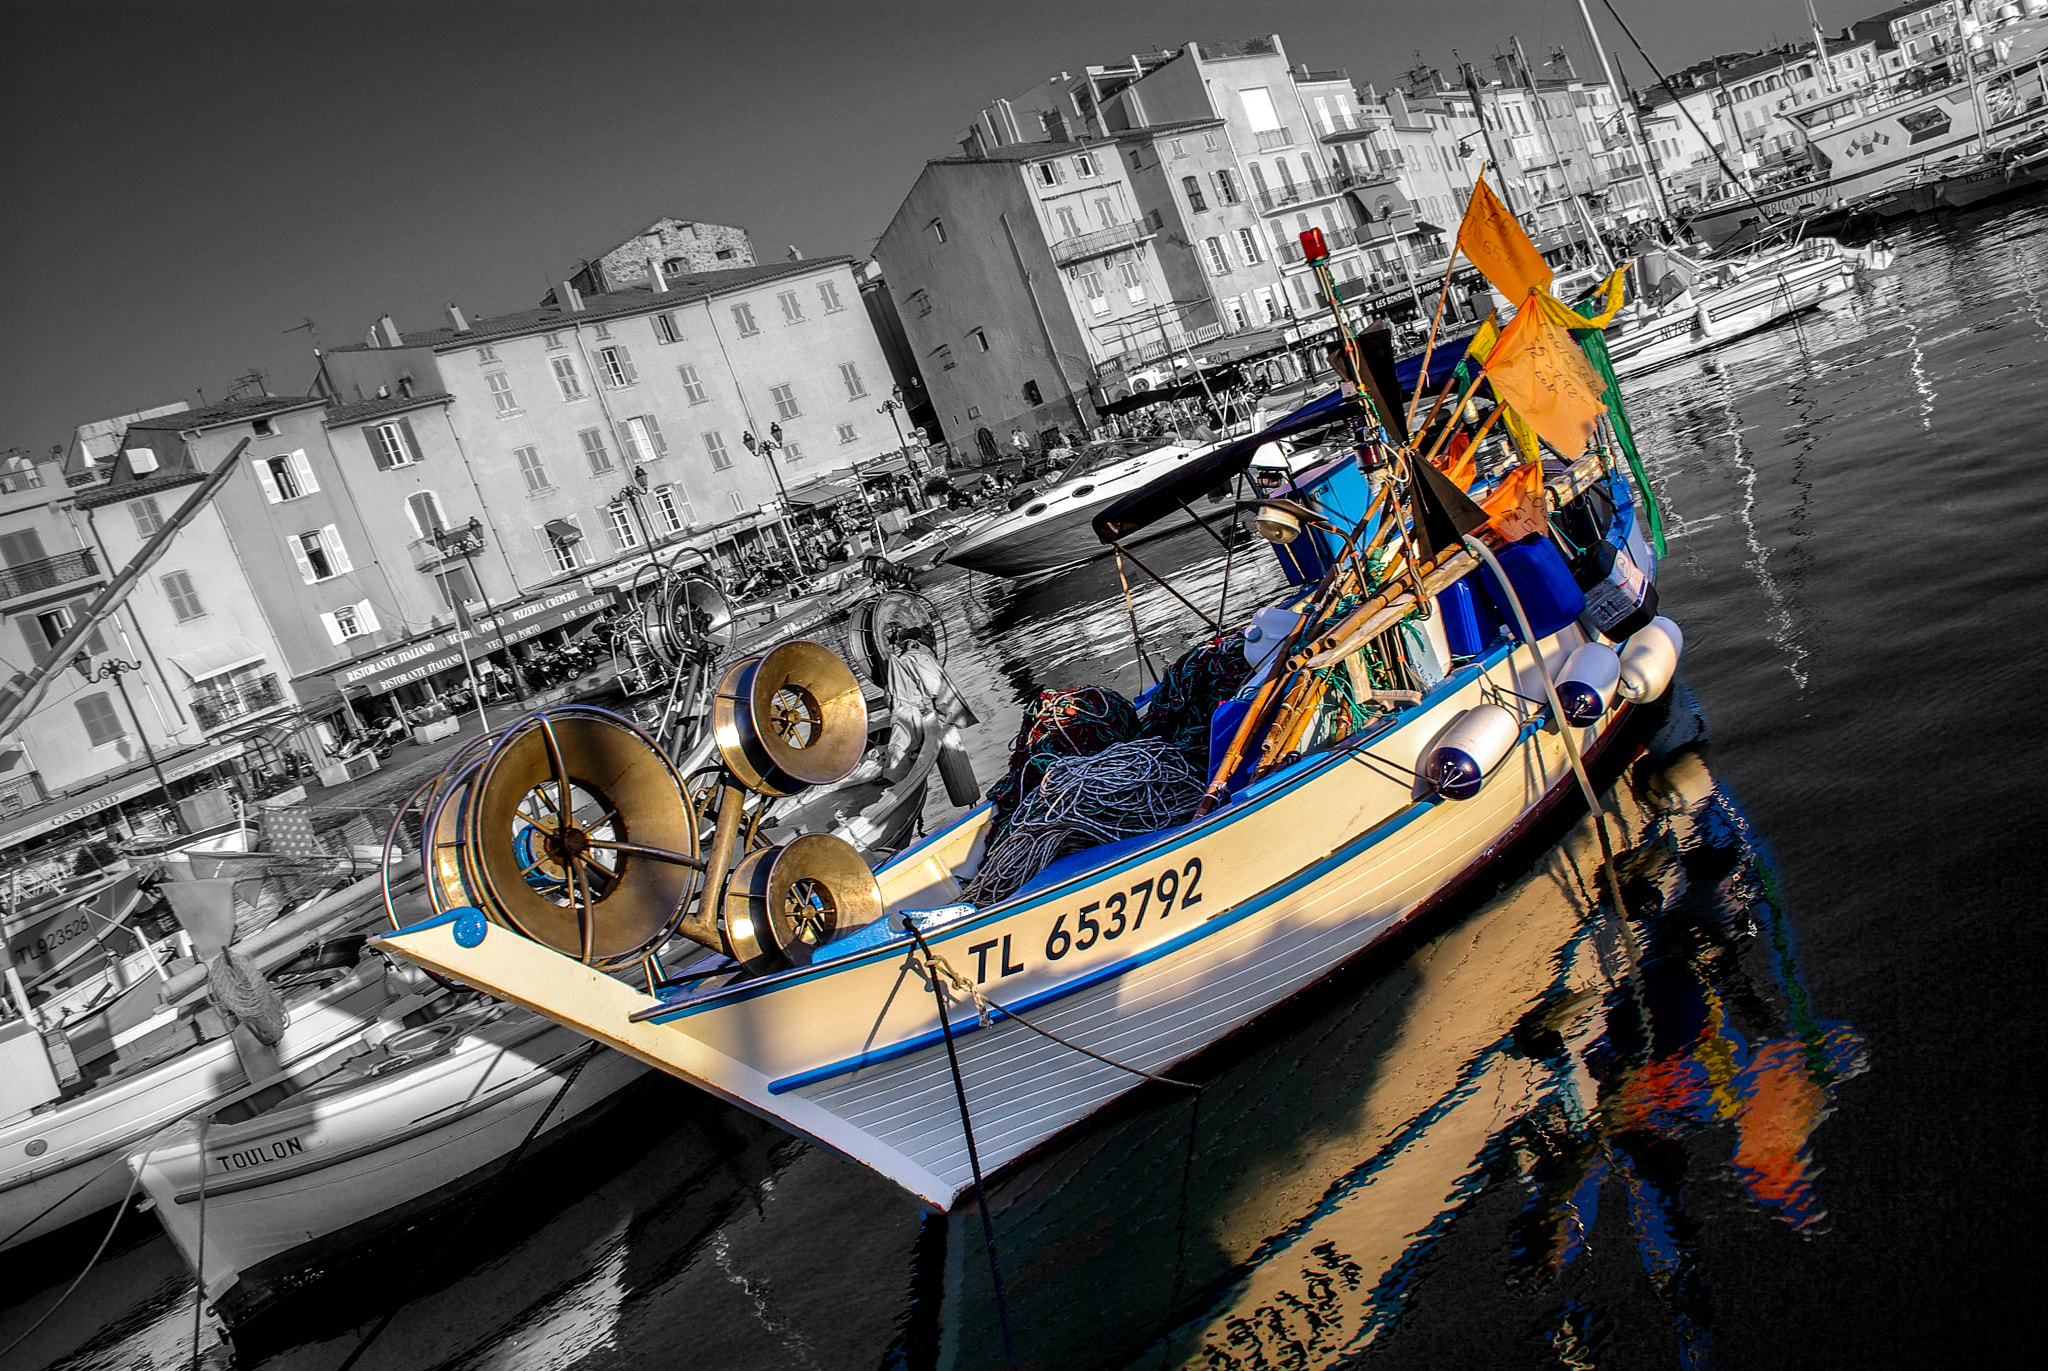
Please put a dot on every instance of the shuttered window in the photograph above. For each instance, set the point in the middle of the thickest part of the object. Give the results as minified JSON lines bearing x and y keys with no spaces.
{"x":184,"y":599}
{"x":102,"y":724}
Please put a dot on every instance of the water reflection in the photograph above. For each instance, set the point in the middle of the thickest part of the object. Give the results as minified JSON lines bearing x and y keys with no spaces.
{"x":1533,"y":1049}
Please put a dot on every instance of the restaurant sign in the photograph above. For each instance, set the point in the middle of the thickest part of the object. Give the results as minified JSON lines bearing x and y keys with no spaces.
{"x":439,"y":652}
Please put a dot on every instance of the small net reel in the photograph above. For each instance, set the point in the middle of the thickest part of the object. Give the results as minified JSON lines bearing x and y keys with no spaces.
{"x":784,"y":902}
{"x":790,"y":720}
{"x":886,"y":621}
{"x":686,"y":618}
{"x":575,"y":831}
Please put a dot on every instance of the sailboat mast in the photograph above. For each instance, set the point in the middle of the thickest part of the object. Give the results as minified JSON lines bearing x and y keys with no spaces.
{"x":1635,"y":134}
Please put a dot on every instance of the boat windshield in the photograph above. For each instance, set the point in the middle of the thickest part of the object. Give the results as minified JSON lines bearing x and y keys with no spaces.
{"x":1106,"y":455}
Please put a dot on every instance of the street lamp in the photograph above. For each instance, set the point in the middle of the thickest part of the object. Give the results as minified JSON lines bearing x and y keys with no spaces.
{"x":892,"y":406}
{"x":113,"y":669}
{"x":632,"y":495}
{"x":766,"y":447}
{"x":465,"y":541}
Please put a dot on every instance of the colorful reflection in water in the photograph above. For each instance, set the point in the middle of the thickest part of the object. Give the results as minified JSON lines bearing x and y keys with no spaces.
{"x":1535,"y":1049}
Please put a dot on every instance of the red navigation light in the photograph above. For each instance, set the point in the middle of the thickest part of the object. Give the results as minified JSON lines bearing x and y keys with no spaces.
{"x":1312,"y":245}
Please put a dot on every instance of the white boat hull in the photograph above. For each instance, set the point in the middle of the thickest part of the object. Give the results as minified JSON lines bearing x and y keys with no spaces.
{"x":279,"y":1184}
{"x":1303,"y":871}
{"x":65,"y":1164}
{"x":1704,"y":320}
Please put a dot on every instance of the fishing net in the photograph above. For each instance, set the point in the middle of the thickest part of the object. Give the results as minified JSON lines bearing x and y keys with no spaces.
{"x":1127,"y":789}
{"x":1060,"y":723}
{"x":1205,"y":676}
{"x":245,"y":997}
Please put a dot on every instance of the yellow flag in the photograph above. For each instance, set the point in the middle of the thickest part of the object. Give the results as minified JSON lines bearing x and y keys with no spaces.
{"x":1524,"y":437}
{"x":1564,"y":316}
{"x":1483,"y":339}
{"x":1495,"y":243}
{"x":1539,"y":371}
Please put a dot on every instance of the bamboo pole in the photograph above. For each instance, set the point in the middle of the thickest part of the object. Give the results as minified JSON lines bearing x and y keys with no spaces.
{"x":1442,"y":294}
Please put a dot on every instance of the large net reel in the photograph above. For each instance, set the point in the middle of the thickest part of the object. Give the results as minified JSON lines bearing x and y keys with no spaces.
{"x":887,"y":622}
{"x":572,"y":827}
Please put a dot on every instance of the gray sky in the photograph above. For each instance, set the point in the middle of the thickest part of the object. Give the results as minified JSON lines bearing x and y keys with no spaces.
{"x":187,"y":180}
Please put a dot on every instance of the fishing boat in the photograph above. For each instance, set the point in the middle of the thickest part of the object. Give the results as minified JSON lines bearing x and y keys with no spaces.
{"x":1143,"y":951}
{"x":1679,"y":306}
{"x":84,"y":1088}
{"x":1316,"y":775}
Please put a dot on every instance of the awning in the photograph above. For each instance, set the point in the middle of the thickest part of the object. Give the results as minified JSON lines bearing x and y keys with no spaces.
{"x":824,"y":493}
{"x":217,"y":659}
{"x":142,"y":781}
{"x":438,"y":652}
{"x":1221,"y":378}
{"x":562,"y":531}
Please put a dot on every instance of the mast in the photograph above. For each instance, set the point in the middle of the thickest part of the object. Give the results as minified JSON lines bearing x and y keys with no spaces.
{"x":1635,"y":134}
{"x":1581,"y":216}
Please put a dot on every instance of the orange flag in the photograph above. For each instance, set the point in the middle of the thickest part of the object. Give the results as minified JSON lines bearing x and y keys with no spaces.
{"x":1537,"y":368}
{"x":1495,"y":243}
{"x":1516,"y":505}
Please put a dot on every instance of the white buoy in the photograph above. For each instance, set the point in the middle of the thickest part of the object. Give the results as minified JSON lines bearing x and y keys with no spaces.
{"x":1589,"y":682}
{"x":1469,"y":749}
{"x":1650,"y":659}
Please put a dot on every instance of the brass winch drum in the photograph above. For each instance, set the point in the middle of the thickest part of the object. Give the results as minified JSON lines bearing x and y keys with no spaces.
{"x":576,"y":832}
{"x":790,"y":720}
{"x":784,"y":902}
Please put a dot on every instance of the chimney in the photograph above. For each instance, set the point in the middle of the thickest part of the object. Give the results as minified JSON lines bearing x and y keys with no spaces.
{"x":796,"y":254}
{"x":389,"y":331}
{"x":405,"y":386}
{"x":567,"y":299}
{"x":455,"y":319}
{"x":656,"y":278}
{"x":1510,"y":74}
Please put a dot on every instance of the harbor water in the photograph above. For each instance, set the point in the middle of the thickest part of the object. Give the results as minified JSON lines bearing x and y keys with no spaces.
{"x":1786,"y":1113}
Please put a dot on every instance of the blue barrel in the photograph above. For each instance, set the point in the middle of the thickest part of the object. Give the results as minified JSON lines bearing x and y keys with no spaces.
{"x":1538,"y":572}
{"x":1470,"y":621}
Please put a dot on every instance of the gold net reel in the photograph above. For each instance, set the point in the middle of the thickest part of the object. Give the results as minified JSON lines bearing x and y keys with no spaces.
{"x":790,"y":720}
{"x":784,"y":902}
{"x":576,"y":832}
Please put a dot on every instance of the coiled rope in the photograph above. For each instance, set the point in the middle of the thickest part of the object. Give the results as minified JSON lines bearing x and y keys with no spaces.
{"x":1123,"y":791}
{"x":241,"y":992}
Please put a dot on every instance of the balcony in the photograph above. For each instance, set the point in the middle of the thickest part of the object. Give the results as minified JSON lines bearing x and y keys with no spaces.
{"x":222,"y":706}
{"x":1102,"y":242}
{"x":1300,"y":193}
{"x":51,"y":572}
{"x":1271,"y":140}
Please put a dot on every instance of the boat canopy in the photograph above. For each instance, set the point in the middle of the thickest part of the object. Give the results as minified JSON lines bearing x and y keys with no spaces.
{"x":1218,"y":467}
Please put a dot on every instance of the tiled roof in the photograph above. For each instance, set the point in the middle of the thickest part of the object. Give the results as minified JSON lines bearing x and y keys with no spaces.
{"x":116,"y":492}
{"x":359,"y":410}
{"x":1043,"y":148}
{"x":632,"y":300}
{"x":227,"y":412}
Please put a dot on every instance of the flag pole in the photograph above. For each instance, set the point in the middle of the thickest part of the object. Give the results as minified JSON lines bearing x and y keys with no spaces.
{"x":1443,"y":292}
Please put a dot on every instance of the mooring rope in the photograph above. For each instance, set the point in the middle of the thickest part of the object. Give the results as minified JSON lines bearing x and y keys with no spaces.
{"x":988,"y":1224}
{"x":120,"y":1212}
{"x":935,"y":967}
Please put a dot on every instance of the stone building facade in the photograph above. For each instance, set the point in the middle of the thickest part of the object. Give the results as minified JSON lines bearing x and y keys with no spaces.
{"x":681,"y":247}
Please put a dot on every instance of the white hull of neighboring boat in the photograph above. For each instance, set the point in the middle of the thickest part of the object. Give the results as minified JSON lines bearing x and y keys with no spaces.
{"x":1896,"y":141}
{"x":1791,"y":281}
{"x":1052,"y":529}
{"x":1303,"y":871}
{"x":64,"y":1164}
{"x":277,"y":1185}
